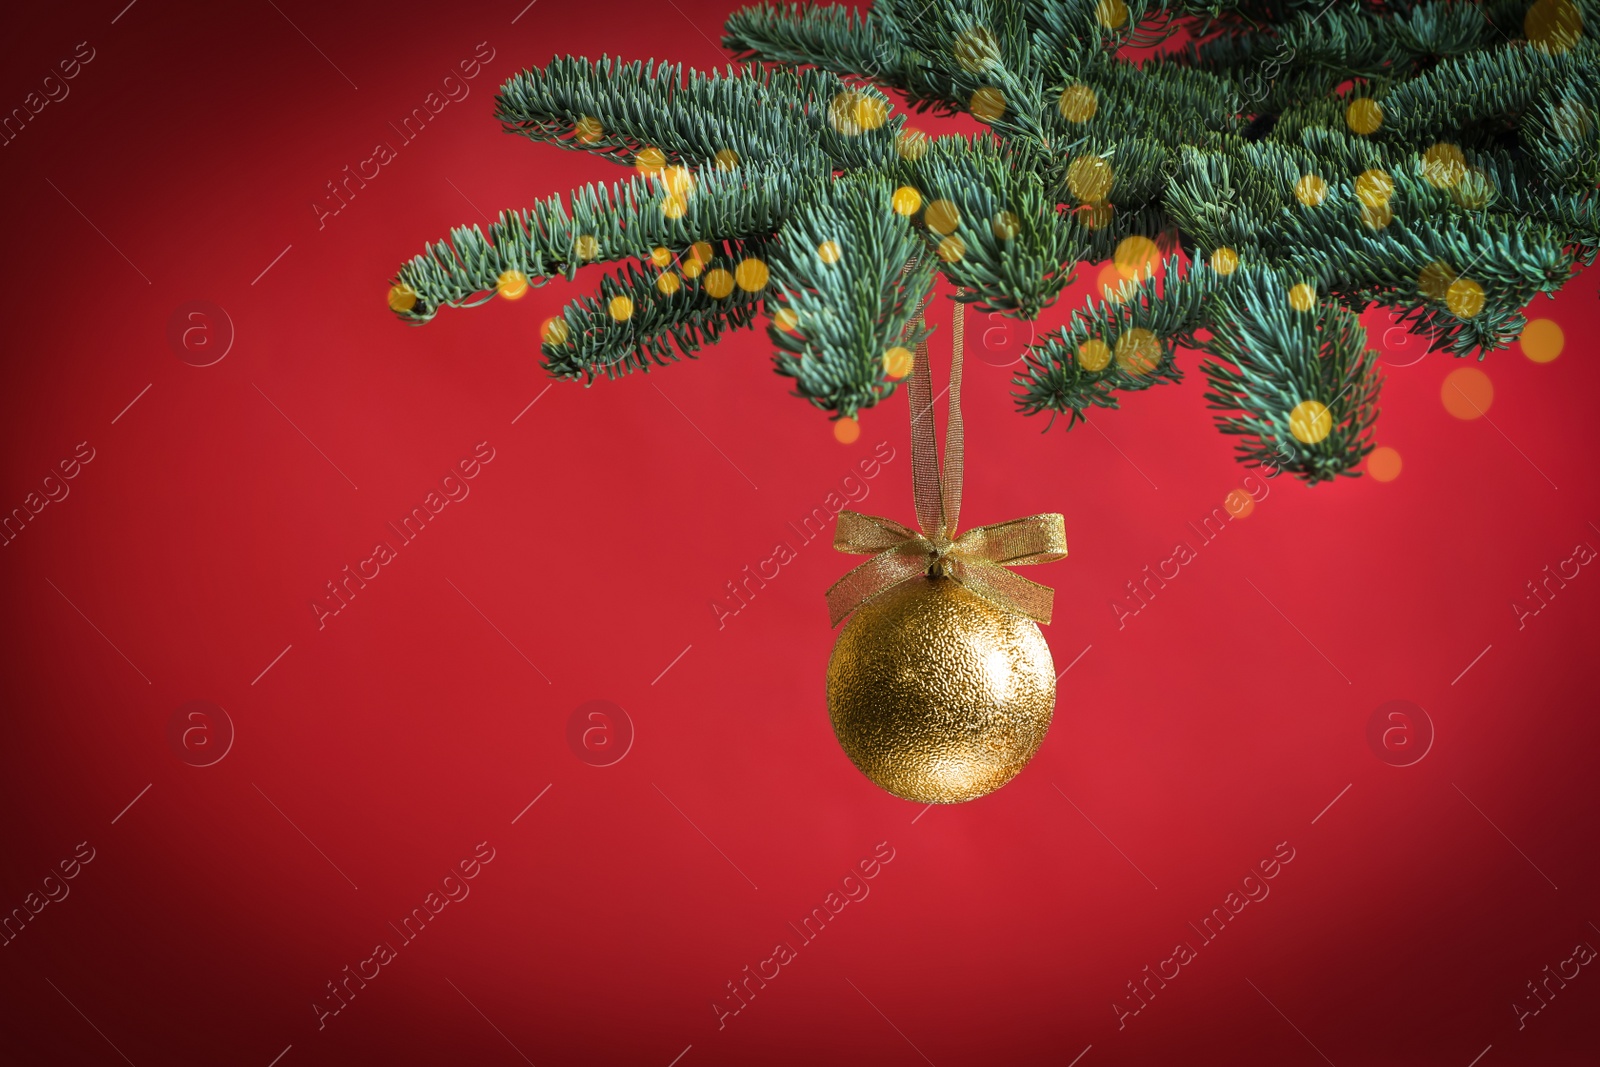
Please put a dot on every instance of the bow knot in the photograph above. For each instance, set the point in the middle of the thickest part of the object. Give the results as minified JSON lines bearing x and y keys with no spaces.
{"x":977,"y":558}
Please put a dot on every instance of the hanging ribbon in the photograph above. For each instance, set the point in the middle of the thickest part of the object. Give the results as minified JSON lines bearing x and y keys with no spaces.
{"x":978,"y":558}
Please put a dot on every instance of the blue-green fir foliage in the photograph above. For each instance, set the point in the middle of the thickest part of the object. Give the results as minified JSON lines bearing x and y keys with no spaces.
{"x":1288,"y":165}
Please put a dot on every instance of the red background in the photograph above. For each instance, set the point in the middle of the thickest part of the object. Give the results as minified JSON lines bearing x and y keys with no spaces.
{"x":377,"y":752}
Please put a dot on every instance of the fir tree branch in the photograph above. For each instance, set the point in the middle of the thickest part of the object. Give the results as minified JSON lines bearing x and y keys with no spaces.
{"x":838,"y":270}
{"x":753,"y":112}
{"x":626,"y":220}
{"x":627,"y":325}
{"x":831,"y":38}
{"x":1123,"y":343}
{"x":992,"y":222}
{"x":1311,"y":159}
{"x":1301,"y":386}
{"x":1491,"y":86}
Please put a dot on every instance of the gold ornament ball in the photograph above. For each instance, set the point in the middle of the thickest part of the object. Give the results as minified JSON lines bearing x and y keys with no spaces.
{"x":936,"y":694}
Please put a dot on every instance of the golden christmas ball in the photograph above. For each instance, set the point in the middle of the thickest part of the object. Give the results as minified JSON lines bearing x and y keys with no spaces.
{"x":938,"y":695}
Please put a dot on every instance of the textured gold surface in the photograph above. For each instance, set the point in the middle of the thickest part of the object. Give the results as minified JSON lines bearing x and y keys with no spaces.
{"x":936,"y":694}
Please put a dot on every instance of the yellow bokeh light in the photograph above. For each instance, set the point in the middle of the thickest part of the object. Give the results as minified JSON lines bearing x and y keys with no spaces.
{"x":678,"y":180}
{"x":1475,"y":189}
{"x":586,"y":246}
{"x":1224,"y":261}
{"x":1078,"y":103}
{"x":1111,"y":282}
{"x":952,"y":248}
{"x":1376,"y":216}
{"x":1138,"y":351}
{"x":751,"y":275}
{"x":621,"y":308}
{"x":829,"y":251}
{"x":906,"y":200}
{"x":1383,"y":463}
{"x":554,"y":330}
{"x":1005,"y":226}
{"x":650,"y":161}
{"x":402,"y":297}
{"x":912,"y":144}
{"x":1311,"y":190}
{"x":661,"y":256}
{"x":1467,"y":393}
{"x":719,"y":283}
{"x":1464,"y":298}
{"x":1434,"y":280}
{"x":872,"y":110}
{"x":669,"y":283}
{"x":1089,"y":178}
{"x":674,"y":206}
{"x":700,"y":252}
{"x":942,"y":217}
{"x":1136,"y":256}
{"x":1542,"y":340}
{"x":1094,"y":355}
{"x":512,"y":285}
{"x":1374,"y":187}
{"x":1364,"y":115}
{"x":691,"y":267}
{"x":1310,"y":421}
{"x":1553,"y":25}
{"x":846,"y":430}
{"x":786,"y":320}
{"x":1112,"y":14}
{"x":987,"y":104}
{"x":1303,"y":297}
{"x":976,"y":49}
{"x":1443,"y":165}
{"x":587,"y":130}
{"x":726,"y":159}
{"x":1239,"y":503}
{"x":897,"y":362}
{"x":842,"y":112}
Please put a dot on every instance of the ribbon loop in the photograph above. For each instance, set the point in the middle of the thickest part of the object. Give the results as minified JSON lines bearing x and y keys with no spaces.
{"x":863,"y":535}
{"x":1018,"y":543}
{"x":978,"y":558}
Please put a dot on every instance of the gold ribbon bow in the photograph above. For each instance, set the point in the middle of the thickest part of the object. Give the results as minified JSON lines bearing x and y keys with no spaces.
{"x":978,"y":558}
